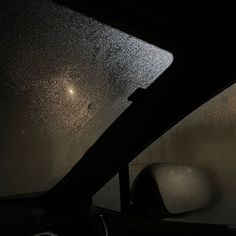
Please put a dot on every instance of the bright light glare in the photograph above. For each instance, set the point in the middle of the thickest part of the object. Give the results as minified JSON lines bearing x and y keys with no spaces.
{"x":71,"y":91}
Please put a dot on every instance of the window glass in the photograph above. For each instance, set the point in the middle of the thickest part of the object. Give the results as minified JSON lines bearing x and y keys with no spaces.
{"x":109,"y":195}
{"x":206,"y":138}
{"x":64,"y":78}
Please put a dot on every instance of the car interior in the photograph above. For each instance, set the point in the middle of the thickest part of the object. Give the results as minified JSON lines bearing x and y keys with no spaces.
{"x":86,"y":87}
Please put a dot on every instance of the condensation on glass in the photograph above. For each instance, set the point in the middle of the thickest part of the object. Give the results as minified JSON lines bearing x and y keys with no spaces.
{"x":183,"y":188}
{"x":64,"y":78}
{"x":205,"y":139}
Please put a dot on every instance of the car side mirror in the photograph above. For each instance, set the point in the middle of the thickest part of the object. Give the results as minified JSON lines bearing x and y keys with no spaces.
{"x":169,"y":190}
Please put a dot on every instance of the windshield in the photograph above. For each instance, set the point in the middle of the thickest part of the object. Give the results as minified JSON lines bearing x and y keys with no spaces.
{"x":64,"y":78}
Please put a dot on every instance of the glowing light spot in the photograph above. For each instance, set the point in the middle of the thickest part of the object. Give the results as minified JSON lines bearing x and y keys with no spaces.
{"x":189,"y":170}
{"x":71,"y":91}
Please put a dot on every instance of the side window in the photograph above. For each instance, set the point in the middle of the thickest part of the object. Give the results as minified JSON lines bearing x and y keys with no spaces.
{"x":109,"y":195}
{"x":205,"y":138}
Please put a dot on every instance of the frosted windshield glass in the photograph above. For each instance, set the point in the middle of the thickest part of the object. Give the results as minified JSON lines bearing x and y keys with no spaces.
{"x":64,"y":78}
